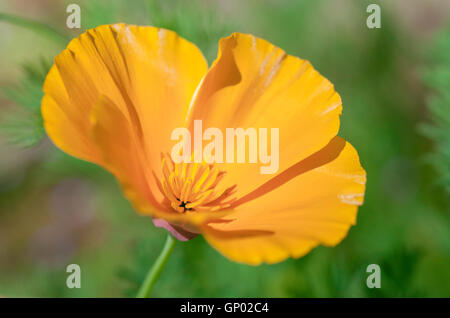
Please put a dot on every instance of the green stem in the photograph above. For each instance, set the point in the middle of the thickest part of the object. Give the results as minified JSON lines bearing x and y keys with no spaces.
{"x":157,"y":268}
{"x":35,"y":26}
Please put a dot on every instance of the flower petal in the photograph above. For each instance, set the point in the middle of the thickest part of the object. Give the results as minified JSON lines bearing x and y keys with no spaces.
{"x":120,"y":153}
{"x":309,"y":207}
{"x":253,"y":83}
{"x":148,"y":74}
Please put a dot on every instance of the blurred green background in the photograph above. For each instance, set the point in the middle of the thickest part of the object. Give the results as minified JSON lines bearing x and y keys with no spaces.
{"x":395,"y":84}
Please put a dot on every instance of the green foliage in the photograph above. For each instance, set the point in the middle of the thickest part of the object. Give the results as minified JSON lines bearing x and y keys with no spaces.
{"x":35,"y":26}
{"x":437,"y":77}
{"x":99,"y":12}
{"x":197,"y":21}
{"x":23,"y":125}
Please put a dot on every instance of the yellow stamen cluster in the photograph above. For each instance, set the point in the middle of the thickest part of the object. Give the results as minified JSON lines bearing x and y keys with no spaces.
{"x":192,"y":186}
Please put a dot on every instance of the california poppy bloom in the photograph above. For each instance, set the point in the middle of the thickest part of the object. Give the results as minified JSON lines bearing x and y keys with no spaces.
{"x":116,"y":93}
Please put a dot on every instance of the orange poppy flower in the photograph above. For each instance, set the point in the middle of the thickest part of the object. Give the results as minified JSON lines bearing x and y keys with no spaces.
{"x":116,"y":93}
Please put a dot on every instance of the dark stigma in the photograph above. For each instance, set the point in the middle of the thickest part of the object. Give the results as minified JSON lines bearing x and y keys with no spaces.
{"x":183,"y":205}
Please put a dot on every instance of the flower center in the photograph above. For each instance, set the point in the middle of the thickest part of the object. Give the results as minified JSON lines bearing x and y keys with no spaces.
{"x":193,"y":186}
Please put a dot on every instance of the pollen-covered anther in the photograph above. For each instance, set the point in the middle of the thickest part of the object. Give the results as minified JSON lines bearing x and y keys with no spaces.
{"x":192,"y":186}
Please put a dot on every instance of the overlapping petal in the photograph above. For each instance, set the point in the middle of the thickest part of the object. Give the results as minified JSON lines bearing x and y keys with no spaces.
{"x":253,"y":83}
{"x":145,"y":76}
{"x":314,"y":202}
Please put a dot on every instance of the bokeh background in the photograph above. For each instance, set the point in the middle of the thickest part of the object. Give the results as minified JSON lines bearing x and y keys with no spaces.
{"x":395,"y":84}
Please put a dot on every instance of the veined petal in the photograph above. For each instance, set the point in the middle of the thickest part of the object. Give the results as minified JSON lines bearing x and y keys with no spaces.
{"x":119,"y":152}
{"x":305,"y":207}
{"x":255,"y":84}
{"x":146,"y":76}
